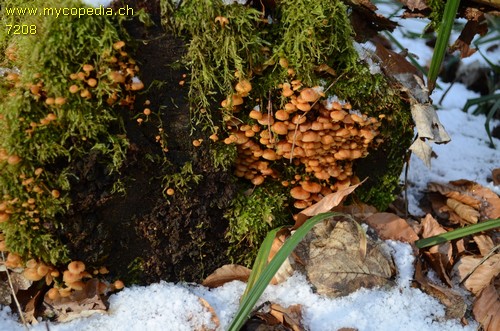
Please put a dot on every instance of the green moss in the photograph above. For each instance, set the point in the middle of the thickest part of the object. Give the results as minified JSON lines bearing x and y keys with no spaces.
{"x":253,"y":213}
{"x":437,"y":12}
{"x":308,"y":34}
{"x":182,"y":180}
{"x":77,"y":125}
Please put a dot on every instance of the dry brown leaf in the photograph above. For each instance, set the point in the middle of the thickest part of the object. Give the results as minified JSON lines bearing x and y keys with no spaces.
{"x":391,"y":226}
{"x":438,"y":205}
{"x":467,"y":213}
{"x":484,"y":243}
{"x":214,"y":318}
{"x":275,"y":317}
{"x":79,"y":304}
{"x":451,"y":191}
{"x":334,"y":263}
{"x":486,"y":308}
{"x":225,"y":274}
{"x":290,"y":317}
{"x":415,"y":4}
{"x":472,"y":27}
{"x":439,"y":256}
{"x":286,"y":269}
{"x":358,"y":210}
{"x":326,"y":204}
{"x":496,"y":176}
{"x":479,"y":274}
{"x":453,"y":301}
{"x":490,"y":206}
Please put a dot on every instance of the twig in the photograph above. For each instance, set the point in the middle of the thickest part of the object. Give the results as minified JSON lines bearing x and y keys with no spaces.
{"x":21,"y":315}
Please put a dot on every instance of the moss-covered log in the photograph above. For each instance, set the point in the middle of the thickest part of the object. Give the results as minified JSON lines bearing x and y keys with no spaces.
{"x":171,"y":181}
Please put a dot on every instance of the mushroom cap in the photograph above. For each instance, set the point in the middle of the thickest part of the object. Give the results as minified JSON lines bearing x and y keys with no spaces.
{"x":282,"y":115}
{"x":299,"y":193}
{"x":31,"y":274}
{"x":243,"y":87}
{"x":311,"y":136}
{"x":69,"y":277}
{"x":304,"y":106}
{"x":280,"y":128}
{"x":257,"y":180}
{"x":255,"y":114}
{"x":269,"y":154}
{"x":309,"y":94}
{"x":301,"y":204}
{"x":311,"y":187}
{"x":76,"y":267}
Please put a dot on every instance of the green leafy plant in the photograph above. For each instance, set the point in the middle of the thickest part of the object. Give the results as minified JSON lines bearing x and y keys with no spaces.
{"x":458,"y":233}
{"x":262,"y":273}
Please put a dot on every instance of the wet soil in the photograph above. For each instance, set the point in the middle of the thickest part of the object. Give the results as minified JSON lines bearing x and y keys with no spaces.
{"x":143,"y":236}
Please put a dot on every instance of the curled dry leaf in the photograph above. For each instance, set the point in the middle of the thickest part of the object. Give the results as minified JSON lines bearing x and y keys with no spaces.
{"x":454,"y":192}
{"x":467,"y":213}
{"x":215,"y":319}
{"x":275,"y":317}
{"x":324,"y":205}
{"x":335,"y":263}
{"x":490,"y":201}
{"x":484,"y":243}
{"x":391,"y":226}
{"x":439,"y":256}
{"x":486,"y":308}
{"x":225,"y":274}
{"x":453,"y":301}
{"x":477,"y":272}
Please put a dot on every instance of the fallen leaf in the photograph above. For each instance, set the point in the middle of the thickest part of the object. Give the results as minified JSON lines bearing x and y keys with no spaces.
{"x":334,"y":263}
{"x":415,"y":4}
{"x":422,"y":150}
{"x":391,"y":226}
{"x":476,"y":272}
{"x":326,"y":204}
{"x":490,"y":201}
{"x":452,"y":300}
{"x":359,"y":210}
{"x":225,"y":274}
{"x":471,"y":28}
{"x":467,"y":213}
{"x":214,"y":318}
{"x":486,"y":308}
{"x":79,"y":304}
{"x":484,"y":243}
{"x":428,"y":124}
{"x":272,"y":316}
{"x":290,"y":317}
{"x":472,"y":194}
{"x":439,"y":256}
{"x":496,"y":176}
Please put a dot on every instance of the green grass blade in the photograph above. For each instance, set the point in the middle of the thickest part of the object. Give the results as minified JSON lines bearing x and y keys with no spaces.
{"x":475,"y":101}
{"x":267,"y":274}
{"x":450,"y":12}
{"x":458,"y":233}
{"x":260,"y":261}
{"x":491,"y":113}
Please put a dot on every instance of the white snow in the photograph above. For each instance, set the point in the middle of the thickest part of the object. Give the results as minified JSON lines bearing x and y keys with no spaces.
{"x":167,"y":306}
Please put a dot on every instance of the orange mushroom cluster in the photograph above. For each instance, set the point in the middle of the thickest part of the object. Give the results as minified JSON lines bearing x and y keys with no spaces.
{"x":36,"y":271}
{"x":119,"y":69}
{"x":325,"y":137}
